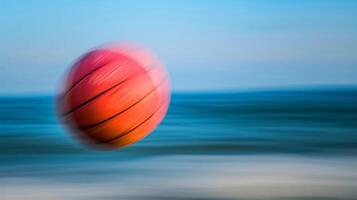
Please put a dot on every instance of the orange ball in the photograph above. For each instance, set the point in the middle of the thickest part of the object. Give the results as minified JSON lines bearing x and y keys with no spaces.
{"x":115,"y":95}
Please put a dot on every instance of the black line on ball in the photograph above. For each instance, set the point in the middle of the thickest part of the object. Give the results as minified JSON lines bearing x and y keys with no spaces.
{"x":132,"y":129}
{"x":92,"y":98}
{"x":126,"y":109}
{"x":89,"y":73}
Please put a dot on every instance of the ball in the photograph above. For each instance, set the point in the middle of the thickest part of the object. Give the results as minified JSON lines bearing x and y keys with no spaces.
{"x":114,"y":95}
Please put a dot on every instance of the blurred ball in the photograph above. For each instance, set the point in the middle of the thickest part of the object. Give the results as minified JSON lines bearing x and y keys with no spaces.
{"x":114,"y":96}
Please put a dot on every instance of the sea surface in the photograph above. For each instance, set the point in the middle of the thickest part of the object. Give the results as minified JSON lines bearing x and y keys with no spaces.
{"x":288,"y":144}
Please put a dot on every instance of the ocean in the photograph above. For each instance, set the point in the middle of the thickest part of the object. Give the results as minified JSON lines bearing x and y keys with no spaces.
{"x":288,"y":144}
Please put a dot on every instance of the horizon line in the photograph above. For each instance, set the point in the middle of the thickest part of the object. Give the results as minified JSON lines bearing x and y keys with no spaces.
{"x":222,"y":91}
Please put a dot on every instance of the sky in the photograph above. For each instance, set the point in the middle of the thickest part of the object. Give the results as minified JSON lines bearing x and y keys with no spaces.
{"x":206,"y":45}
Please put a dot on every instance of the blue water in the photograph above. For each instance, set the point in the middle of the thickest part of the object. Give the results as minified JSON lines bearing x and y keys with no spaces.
{"x":291,"y":144}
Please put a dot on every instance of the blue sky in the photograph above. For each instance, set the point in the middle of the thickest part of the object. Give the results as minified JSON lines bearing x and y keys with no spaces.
{"x":206,"y":45}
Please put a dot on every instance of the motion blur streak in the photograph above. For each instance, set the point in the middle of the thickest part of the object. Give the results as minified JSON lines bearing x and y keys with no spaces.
{"x":254,"y":145}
